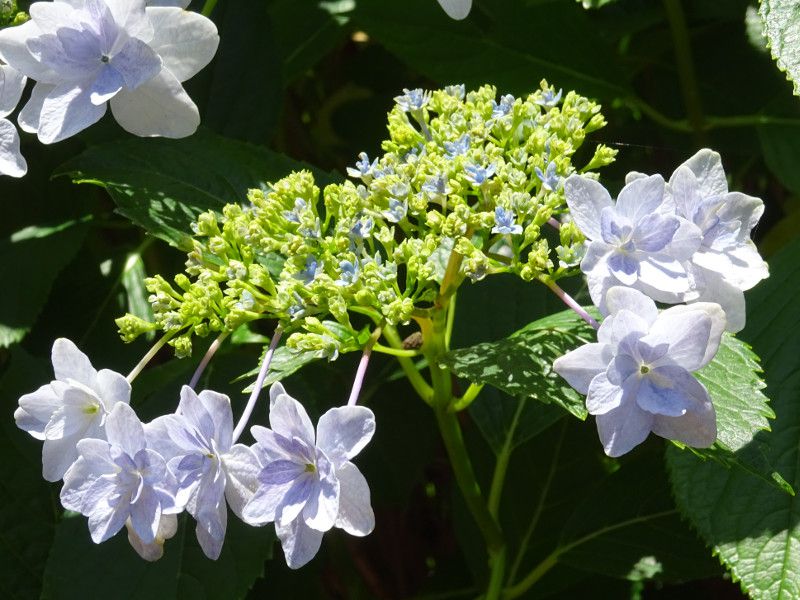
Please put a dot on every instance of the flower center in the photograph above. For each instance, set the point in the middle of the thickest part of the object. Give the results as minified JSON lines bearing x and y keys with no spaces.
{"x":644,"y":369}
{"x":91,"y":409}
{"x":104,"y":59}
{"x":310,"y":468}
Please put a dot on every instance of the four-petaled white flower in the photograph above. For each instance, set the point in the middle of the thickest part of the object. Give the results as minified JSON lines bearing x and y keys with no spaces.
{"x":638,"y":376}
{"x":197,"y":442}
{"x":633,"y":242}
{"x":121,"y":480}
{"x":727,"y":262}
{"x":12,"y":83}
{"x":72,"y":407}
{"x":83,"y":53}
{"x":308,"y":484}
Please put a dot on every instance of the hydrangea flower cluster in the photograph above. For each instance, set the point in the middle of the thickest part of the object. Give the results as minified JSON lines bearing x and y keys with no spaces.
{"x":686,"y":240}
{"x":463,"y":175}
{"x":118,"y":471}
{"x":87,"y":54}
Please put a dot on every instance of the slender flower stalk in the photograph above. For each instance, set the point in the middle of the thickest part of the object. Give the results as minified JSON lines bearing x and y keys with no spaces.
{"x":212,"y":350}
{"x":262,"y":375}
{"x":362,"y":367}
{"x":553,"y":222}
{"x":149,"y":356}
{"x":570,"y":301}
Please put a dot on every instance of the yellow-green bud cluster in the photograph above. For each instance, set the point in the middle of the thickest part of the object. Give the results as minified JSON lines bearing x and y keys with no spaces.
{"x":466,"y":179}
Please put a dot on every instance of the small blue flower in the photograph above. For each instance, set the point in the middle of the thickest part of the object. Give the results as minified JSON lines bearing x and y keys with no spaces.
{"x":549,"y":178}
{"x":294,"y":215}
{"x":308,"y":274}
{"x":549,"y":98}
{"x":505,"y":106}
{"x":413,"y":100}
{"x":456,"y":91}
{"x":397,"y":210}
{"x":362,"y":228}
{"x":478,"y":175}
{"x":363,"y":167}
{"x":246,"y":301}
{"x":437,"y":185}
{"x":349,"y":273}
{"x":457,"y":148}
{"x":506,"y":222}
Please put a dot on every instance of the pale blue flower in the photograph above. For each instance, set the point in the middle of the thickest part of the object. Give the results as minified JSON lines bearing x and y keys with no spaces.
{"x":362,"y":228}
{"x":727,"y":262}
{"x":12,"y":84}
{"x":308,"y":274}
{"x":437,"y":185}
{"x":638,"y":376}
{"x":459,"y":147}
{"x":211,"y":471}
{"x":413,"y":101}
{"x":506,"y":221}
{"x":293,"y":216}
{"x":364,"y":169}
{"x":308,"y":484}
{"x":549,"y":98}
{"x":120,"y":479}
{"x":549,"y":178}
{"x":72,"y":407}
{"x":456,"y":91}
{"x":397,"y":210}
{"x":477,"y":174}
{"x":503,"y":108}
{"x":632,"y":242}
{"x":348,"y":273}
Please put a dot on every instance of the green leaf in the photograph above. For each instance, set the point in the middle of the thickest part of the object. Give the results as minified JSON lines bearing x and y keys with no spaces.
{"x":132,"y":280}
{"x":32,"y":258}
{"x":521,"y":364}
{"x":79,"y":569}
{"x":162,"y":185}
{"x":781,"y":19}
{"x":503,"y":50}
{"x":28,"y":516}
{"x":780,"y":146}
{"x":753,"y":527}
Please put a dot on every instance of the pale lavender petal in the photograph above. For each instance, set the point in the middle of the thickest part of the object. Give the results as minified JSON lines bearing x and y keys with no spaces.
{"x":619,"y":326}
{"x":145,"y":515}
{"x":185,"y":41}
{"x":97,"y":495}
{"x":267,"y":448}
{"x":194,"y":411}
{"x":747,"y":210}
{"x":289,"y":419}
{"x":57,"y":456}
{"x":67,"y":110}
{"x":111,"y":388}
{"x":158,"y":107}
{"x":97,"y":454}
{"x":729,"y":297}
{"x":747,"y":267}
{"x":28,"y":118}
{"x":707,"y":167}
{"x":666,"y":391}
{"x":619,"y":298}
{"x":12,"y":84}
{"x":105,"y":521}
{"x":108,"y":83}
{"x":599,"y":281}
{"x":344,"y":431}
{"x":264,"y":504}
{"x":131,"y":16}
{"x":355,"y":511}
{"x":664,"y":275}
{"x":641,"y":197}
{"x":295,"y":499}
{"x":241,"y":476}
{"x":614,"y":229}
{"x":77,"y":481}
{"x":623,"y":267}
{"x":685,"y":192}
{"x":687,"y":333}
{"x":603,"y":395}
{"x":36,"y":409}
{"x":624,"y":428}
{"x":300,"y":543}
{"x":685,"y":242}
{"x":654,"y":231}
{"x":71,"y":363}
{"x":280,"y":472}
{"x":581,"y":365}
{"x":595,"y":253}
{"x":586,"y":199}
{"x":52,"y":16}
{"x":218,"y":407}
{"x":124,"y":429}
{"x":696,"y":428}
{"x":14,"y":51}
{"x":323,"y":504}
{"x":211,"y":529}
{"x":136,"y":63}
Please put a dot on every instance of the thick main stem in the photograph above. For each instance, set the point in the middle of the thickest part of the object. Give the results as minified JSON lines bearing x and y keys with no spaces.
{"x":262,"y":375}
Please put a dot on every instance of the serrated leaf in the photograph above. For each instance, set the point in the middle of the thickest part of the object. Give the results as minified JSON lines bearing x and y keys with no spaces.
{"x":162,"y":184}
{"x":753,"y":527}
{"x":781,"y":20}
{"x":522,"y":364}
{"x":32,"y":258}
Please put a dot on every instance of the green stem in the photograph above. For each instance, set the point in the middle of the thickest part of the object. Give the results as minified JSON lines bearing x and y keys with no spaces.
{"x":395,"y":351}
{"x":469,"y":396}
{"x":208,"y":7}
{"x":150,"y":354}
{"x":501,"y":466}
{"x":686,"y":73}
{"x":414,"y":376}
{"x":552,"y":559}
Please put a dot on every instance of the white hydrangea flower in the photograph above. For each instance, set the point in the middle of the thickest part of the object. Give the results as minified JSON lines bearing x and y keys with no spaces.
{"x":637,"y":377}
{"x":308,"y":484}
{"x":727,"y":262}
{"x":72,"y":407}
{"x":12,"y":83}
{"x":456,"y":9}
{"x":85,"y":53}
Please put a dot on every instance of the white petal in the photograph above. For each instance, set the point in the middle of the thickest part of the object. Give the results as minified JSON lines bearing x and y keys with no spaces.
{"x":586,"y":199}
{"x":58,"y":456}
{"x":71,"y":363}
{"x":619,"y":326}
{"x":619,"y":298}
{"x":718,"y":317}
{"x":124,"y":429}
{"x":323,"y":504}
{"x":583,"y":364}
{"x":624,"y":428}
{"x":112,"y":388}
{"x":28,"y":118}
{"x":707,"y":167}
{"x":185,"y":41}
{"x":14,"y":51}
{"x":665,"y":275}
{"x":342,"y":432}
{"x":641,"y":197}
{"x":687,"y":332}
{"x":685,"y":242}
{"x":36,"y":408}
{"x":52,"y":16}
{"x":12,"y":84}
{"x":67,"y":110}
{"x":77,"y":481}
{"x":158,"y":107}
{"x":263,"y":506}
{"x":12,"y":163}
{"x":130,"y":15}
{"x":743,"y":208}
{"x":180,"y":3}
{"x":355,"y":511}
{"x":603,"y":395}
{"x":685,"y":192}
{"x":300,"y":543}
{"x":219,"y":408}
{"x":456,"y":9}
{"x":241,"y":477}
{"x":696,"y":428}
{"x":288,"y":418}
{"x":747,"y":267}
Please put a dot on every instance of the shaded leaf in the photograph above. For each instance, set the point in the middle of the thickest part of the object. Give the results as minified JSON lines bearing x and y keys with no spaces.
{"x":781,"y":20}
